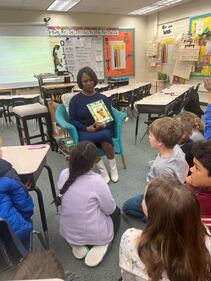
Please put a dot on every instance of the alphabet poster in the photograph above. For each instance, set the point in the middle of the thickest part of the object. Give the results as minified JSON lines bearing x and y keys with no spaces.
{"x":119,"y":53}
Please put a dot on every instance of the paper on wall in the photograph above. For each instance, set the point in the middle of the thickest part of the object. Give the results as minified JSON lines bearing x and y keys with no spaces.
{"x":78,"y":42}
{"x":88,"y":43}
{"x":189,"y":53}
{"x":183,"y":69}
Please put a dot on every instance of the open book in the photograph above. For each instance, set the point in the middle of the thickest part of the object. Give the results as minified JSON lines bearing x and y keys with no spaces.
{"x":99,"y":111}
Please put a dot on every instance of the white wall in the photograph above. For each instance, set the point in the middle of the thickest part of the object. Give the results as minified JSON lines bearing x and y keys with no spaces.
{"x":179,"y":16}
{"x":190,"y":9}
{"x":146,"y":28}
{"x":91,"y":20}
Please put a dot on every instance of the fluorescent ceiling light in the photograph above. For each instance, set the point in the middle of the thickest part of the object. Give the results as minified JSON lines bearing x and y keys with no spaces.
{"x":154,"y":7}
{"x":62,"y":5}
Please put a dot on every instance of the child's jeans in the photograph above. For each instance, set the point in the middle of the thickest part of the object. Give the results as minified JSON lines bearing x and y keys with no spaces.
{"x":133,"y":207}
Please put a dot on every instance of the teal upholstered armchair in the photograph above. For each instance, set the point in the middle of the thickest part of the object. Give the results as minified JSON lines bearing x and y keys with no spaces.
{"x":119,"y":117}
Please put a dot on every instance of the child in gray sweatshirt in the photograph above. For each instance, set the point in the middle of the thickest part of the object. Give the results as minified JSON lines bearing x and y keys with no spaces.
{"x":164,"y":136}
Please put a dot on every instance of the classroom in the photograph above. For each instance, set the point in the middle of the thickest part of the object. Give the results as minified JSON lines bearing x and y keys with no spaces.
{"x":105,"y":132}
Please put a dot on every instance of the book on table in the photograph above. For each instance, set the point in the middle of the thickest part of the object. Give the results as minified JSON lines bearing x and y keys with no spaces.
{"x":100,"y":112}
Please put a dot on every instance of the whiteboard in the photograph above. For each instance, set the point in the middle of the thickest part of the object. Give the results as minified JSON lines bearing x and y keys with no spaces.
{"x":24,"y":51}
{"x":77,"y":52}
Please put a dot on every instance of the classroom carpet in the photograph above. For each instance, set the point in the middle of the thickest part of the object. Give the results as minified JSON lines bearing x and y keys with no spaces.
{"x":131,"y":182}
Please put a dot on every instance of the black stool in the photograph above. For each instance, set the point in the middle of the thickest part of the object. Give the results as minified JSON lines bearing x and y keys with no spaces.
{"x":27,"y":112}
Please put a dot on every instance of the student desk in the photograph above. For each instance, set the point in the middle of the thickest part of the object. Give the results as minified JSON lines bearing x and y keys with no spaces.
{"x":158,"y":103}
{"x":7,"y":100}
{"x":29,"y":164}
{"x":118,"y":83}
{"x":59,"y":86}
{"x":56,"y":90}
{"x":27,"y":98}
{"x":100,"y":87}
{"x":5,"y":90}
{"x":124,"y":89}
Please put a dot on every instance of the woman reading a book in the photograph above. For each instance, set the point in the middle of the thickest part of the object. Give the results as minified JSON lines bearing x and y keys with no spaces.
{"x":84,"y":115}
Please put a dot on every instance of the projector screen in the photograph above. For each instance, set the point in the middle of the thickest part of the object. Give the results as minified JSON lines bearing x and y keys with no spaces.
{"x":25,"y":52}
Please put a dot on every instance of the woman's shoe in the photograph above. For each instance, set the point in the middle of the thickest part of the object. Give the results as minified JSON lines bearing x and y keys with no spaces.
{"x":103,"y":171}
{"x":96,"y":255}
{"x":113,"y":170}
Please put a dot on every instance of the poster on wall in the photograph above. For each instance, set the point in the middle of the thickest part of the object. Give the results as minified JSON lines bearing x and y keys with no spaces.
{"x":167,"y":31}
{"x":200,"y":27}
{"x":119,"y":53}
{"x":72,"y":53}
{"x":58,"y":55}
{"x":183,"y":69}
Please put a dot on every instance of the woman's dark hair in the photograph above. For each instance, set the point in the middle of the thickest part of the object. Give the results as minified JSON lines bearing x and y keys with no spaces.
{"x":90,"y":72}
{"x":82,"y":159}
{"x":174,"y":239}
{"x":201,"y":150}
{"x":39,"y":265}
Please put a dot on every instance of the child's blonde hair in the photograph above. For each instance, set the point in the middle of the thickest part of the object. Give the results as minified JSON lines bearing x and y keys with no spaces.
{"x":192,"y":119}
{"x":167,"y":130}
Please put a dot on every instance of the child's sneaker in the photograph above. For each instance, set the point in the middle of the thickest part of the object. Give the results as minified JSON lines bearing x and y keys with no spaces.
{"x":79,"y":252}
{"x":96,"y":255}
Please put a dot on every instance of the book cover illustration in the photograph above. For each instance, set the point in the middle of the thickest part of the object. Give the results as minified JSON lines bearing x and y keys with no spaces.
{"x":99,"y":111}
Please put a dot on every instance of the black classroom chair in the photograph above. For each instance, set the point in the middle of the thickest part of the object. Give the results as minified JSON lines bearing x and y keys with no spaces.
{"x":12,"y":249}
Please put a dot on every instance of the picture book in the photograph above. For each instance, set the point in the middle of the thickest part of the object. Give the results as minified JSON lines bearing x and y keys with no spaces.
{"x":99,"y":111}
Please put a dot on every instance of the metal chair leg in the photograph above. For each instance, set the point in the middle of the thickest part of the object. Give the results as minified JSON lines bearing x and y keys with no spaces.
{"x":124,"y":161}
{"x":147,"y":130}
{"x":41,"y":239}
{"x":53,"y":190}
{"x":136,"y":131}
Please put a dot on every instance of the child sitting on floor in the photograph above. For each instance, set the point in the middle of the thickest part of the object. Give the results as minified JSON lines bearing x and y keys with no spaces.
{"x":200,"y":178}
{"x":186,"y":142}
{"x":89,"y":216}
{"x":195,"y":122}
{"x":42,"y":265}
{"x":16,"y":205}
{"x":174,"y":245}
{"x":164,"y":136}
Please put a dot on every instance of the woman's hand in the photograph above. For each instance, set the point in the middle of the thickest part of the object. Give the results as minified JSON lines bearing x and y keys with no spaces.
{"x":91,"y":129}
{"x":95,"y":127}
{"x":99,"y":125}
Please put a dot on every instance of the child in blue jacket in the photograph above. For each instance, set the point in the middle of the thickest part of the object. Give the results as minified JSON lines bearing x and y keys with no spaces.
{"x":16,"y":205}
{"x":207,"y":116}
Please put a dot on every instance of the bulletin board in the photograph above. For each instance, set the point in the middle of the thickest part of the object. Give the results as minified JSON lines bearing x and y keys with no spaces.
{"x":119,"y":53}
{"x":200,"y":27}
{"x":74,"y":53}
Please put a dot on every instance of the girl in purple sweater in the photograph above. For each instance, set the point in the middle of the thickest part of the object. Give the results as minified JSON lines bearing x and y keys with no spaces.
{"x":89,"y":216}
